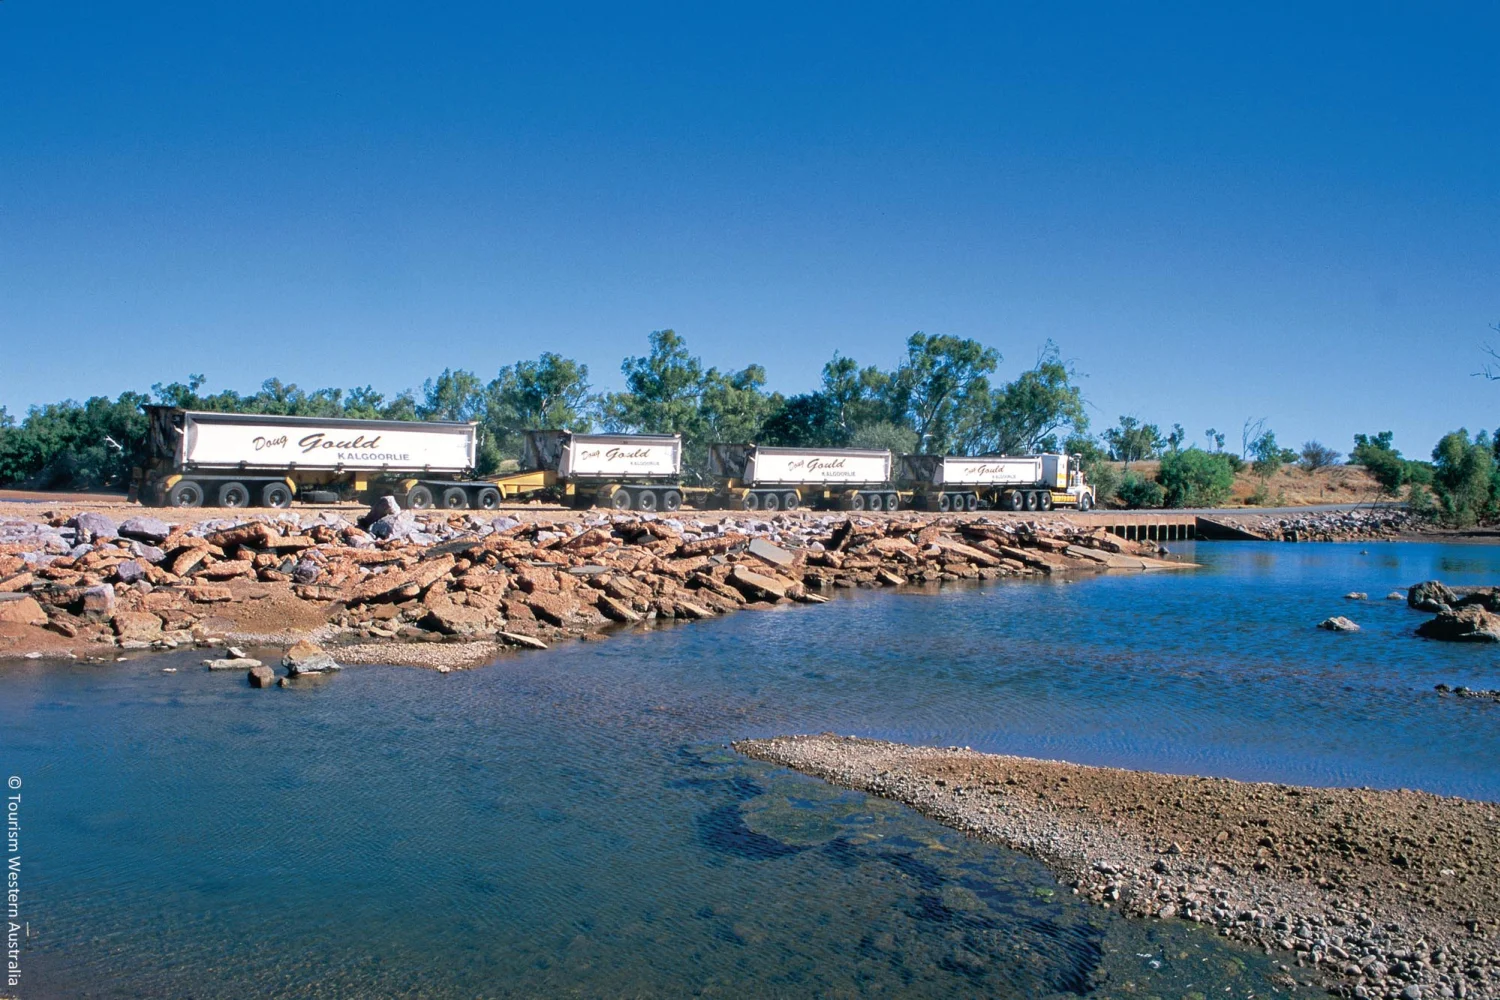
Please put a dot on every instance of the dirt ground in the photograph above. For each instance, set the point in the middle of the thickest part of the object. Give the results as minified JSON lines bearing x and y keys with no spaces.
{"x":1296,"y":487}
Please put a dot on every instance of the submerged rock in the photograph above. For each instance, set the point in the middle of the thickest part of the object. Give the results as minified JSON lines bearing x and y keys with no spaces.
{"x":1338,"y":623}
{"x":260,"y":675}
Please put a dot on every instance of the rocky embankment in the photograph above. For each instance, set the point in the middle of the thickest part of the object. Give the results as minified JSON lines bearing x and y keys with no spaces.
{"x":1360,"y":524}
{"x":450,"y":589}
{"x":1391,"y":894}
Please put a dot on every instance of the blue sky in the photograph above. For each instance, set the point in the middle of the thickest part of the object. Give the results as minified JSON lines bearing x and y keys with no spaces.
{"x":1280,"y":211}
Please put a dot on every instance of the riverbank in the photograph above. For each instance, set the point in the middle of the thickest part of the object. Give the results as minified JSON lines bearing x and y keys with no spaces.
{"x":450,"y":590}
{"x":1387,"y":893}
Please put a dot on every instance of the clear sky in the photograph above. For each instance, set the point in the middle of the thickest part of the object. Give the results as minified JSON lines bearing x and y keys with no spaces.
{"x":1282,"y":211}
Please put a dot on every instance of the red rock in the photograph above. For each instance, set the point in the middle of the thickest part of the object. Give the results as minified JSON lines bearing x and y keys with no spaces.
{"x":25,"y":611}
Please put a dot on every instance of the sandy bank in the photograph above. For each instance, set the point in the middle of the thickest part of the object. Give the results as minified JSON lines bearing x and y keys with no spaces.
{"x":1389,"y":893}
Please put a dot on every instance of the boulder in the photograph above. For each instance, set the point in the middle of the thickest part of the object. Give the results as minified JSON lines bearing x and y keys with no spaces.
{"x":146,"y":529}
{"x":25,"y":611}
{"x":306,"y":658}
{"x":1430,"y":595}
{"x":306,"y":571}
{"x":129,"y":571}
{"x":260,"y":675}
{"x":1338,"y":624}
{"x":380,"y":508}
{"x":455,"y":619}
{"x":773,"y":554}
{"x":756,"y":585}
{"x":147,"y":553}
{"x":99,"y":601}
{"x":140,"y":626}
{"x":1395,"y":595}
{"x":1471,"y":624}
{"x":209,"y":593}
{"x":92,"y":527}
{"x":1356,"y":595}
{"x":396,"y":526}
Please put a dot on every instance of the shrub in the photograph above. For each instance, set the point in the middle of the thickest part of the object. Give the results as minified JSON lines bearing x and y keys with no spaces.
{"x":1194,"y":478}
{"x":1136,"y":490}
{"x":1316,"y":456}
{"x":1463,"y":477}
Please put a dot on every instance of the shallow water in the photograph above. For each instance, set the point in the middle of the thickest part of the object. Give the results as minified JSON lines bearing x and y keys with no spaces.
{"x":569,"y":824}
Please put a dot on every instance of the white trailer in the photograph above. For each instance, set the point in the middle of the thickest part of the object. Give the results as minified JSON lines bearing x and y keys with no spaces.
{"x":1014,"y":482}
{"x":758,"y":477}
{"x":197,"y":457}
{"x":623,"y":471}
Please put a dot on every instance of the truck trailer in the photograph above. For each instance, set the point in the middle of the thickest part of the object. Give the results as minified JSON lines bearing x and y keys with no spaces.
{"x":1008,"y":482}
{"x":197,"y":457}
{"x":621,"y":471}
{"x":757,"y":477}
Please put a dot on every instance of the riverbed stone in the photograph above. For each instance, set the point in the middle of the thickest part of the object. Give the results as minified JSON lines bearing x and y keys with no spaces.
{"x":1471,"y":624}
{"x":260,"y":675}
{"x":307,"y":658}
{"x":1430,"y":595}
{"x":25,"y":611}
{"x":98,"y":601}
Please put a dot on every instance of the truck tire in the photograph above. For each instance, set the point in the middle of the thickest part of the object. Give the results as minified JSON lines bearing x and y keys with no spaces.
{"x":234,"y":494}
{"x":277,"y":495}
{"x":620,"y":500}
{"x":790,"y":500}
{"x":751,"y":501}
{"x":770,"y":501}
{"x":312,"y":496}
{"x":418,"y":498}
{"x":971,"y":502}
{"x":1044,"y":500}
{"x":1085,"y":503}
{"x":671,"y":500}
{"x":456,"y":498}
{"x":893,"y":501}
{"x":1015,"y":500}
{"x":487,"y":498}
{"x":874,"y":502}
{"x":857,"y":502}
{"x":1031,"y":501}
{"x":645,"y":500}
{"x":185,"y":493}
{"x":944,"y":503}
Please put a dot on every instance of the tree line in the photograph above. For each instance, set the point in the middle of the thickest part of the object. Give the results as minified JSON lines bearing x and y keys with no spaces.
{"x":938,"y":398}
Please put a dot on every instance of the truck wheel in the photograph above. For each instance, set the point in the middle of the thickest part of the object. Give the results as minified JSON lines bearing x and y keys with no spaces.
{"x":751,"y":501}
{"x":1015,"y":500}
{"x":944,"y":503}
{"x":275,"y":495}
{"x":185,"y":493}
{"x":857,"y":502}
{"x":893,"y":501}
{"x":971,"y":501}
{"x":487,"y":498}
{"x":790,"y":501}
{"x":873,"y":502}
{"x":1030,"y":500}
{"x":671,"y":500}
{"x":620,"y":500}
{"x":418,"y":498}
{"x":234,"y":495}
{"x":1044,"y":500}
{"x":770,"y":502}
{"x":645,"y":500}
{"x":1085,"y":503}
{"x":456,"y":498}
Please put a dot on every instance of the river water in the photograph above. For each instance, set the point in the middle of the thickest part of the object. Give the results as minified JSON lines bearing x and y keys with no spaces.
{"x":571,"y":824}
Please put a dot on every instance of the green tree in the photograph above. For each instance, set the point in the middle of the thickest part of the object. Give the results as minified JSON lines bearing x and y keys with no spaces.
{"x":1464,"y":477}
{"x":1027,"y":414}
{"x":1378,"y":454}
{"x":456,"y":394}
{"x":1195,"y":478}
{"x":1096,"y":465}
{"x":551,"y":392}
{"x":1267,"y":454}
{"x":661,"y":389}
{"x":933,"y":389}
{"x":1130,"y":441}
{"x":1137,"y":491}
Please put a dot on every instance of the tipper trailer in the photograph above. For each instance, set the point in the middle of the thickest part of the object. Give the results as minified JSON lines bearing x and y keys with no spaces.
{"x":758,"y":477}
{"x":197,"y":457}
{"x":622,"y":471}
{"x":1008,"y":482}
